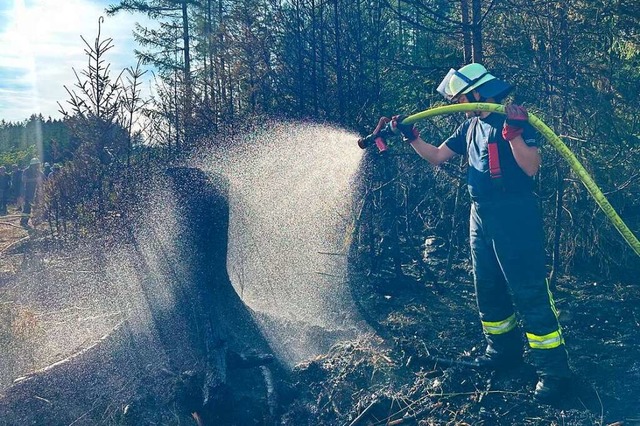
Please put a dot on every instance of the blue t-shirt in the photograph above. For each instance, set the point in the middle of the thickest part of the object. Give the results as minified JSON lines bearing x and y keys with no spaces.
{"x":472,"y":137}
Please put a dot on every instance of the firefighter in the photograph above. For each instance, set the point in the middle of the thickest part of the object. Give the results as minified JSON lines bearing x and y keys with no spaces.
{"x":5,"y":190}
{"x":32,"y":179}
{"x":16,"y":182}
{"x":506,"y":233}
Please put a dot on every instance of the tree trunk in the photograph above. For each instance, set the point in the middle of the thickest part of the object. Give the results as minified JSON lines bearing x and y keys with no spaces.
{"x":300,"y":59}
{"x":314,"y":58}
{"x":557,"y":228}
{"x":187,"y":73}
{"x":476,"y":48}
{"x":563,"y":60}
{"x":339,"y":76}
{"x":466,"y":31}
{"x":452,"y":249}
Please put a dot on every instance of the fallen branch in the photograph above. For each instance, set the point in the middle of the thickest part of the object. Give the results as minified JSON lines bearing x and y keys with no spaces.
{"x":364,"y":413}
{"x":197,"y":418}
{"x":68,"y":359}
{"x":13,"y":244}
{"x":13,"y":225}
{"x":42,"y":399}
{"x":14,"y":216}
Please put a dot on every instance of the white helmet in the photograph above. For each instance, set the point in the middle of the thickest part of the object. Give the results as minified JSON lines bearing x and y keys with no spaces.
{"x":33,"y":161}
{"x":473,"y":77}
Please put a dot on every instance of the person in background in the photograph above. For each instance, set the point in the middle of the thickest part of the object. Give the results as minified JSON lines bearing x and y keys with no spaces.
{"x":16,"y":183}
{"x":5,"y":190}
{"x":32,"y":179}
{"x":506,"y":232}
{"x":55,"y":169}
{"x":46,"y":169}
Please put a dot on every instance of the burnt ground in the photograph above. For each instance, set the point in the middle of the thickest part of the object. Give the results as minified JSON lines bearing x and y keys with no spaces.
{"x":394,"y":379}
{"x":388,"y":378}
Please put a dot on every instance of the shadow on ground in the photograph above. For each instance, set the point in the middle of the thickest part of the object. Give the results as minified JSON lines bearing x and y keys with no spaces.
{"x":185,"y":343}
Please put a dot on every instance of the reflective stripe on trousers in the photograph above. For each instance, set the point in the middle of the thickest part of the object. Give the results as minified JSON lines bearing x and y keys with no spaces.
{"x":499,"y":327}
{"x":548,"y":341}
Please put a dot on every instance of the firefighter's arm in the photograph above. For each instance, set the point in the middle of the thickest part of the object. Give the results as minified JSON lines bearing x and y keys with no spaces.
{"x":527,"y":157}
{"x":434,"y":154}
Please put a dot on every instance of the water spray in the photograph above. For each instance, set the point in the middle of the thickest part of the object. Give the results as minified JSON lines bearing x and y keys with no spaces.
{"x":385,"y":129}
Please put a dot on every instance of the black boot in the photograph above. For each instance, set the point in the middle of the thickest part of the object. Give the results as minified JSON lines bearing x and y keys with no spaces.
{"x":551,"y":389}
{"x":500,"y":362}
{"x":501,"y":355}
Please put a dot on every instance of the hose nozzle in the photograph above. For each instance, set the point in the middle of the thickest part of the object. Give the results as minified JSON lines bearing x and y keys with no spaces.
{"x":382,"y":131}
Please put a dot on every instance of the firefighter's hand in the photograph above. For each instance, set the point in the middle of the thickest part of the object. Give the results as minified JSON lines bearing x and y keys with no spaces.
{"x":516,"y":117}
{"x":408,"y":131}
{"x":381,"y":125}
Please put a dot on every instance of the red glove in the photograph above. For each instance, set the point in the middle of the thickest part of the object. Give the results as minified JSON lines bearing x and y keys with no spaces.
{"x":409,"y":132}
{"x":516,"y":117}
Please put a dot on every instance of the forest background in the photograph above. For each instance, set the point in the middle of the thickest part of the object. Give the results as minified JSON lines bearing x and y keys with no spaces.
{"x":222,"y":67}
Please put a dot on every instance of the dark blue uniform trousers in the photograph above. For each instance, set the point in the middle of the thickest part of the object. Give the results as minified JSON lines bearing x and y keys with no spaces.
{"x":507,"y":247}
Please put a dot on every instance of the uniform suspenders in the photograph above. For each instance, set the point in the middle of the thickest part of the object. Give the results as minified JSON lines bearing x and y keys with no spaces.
{"x":494,"y":160}
{"x":494,"y":163}
{"x":492,"y":149}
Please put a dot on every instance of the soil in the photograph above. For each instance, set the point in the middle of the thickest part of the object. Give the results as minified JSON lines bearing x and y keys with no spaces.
{"x":392,"y":377}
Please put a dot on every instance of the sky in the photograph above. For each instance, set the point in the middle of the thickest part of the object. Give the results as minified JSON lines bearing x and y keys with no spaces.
{"x":40,"y":45}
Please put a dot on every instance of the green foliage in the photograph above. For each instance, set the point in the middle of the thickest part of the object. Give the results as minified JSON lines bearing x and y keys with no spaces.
{"x":96,"y":181}
{"x":50,"y":140}
{"x":21,"y":157}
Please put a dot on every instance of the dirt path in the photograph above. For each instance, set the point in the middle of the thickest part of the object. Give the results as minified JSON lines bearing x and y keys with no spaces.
{"x":10,"y":234}
{"x":41,"y":321}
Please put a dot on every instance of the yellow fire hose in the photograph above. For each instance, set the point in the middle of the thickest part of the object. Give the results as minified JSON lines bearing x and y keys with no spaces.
{"x":557,"y":143}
